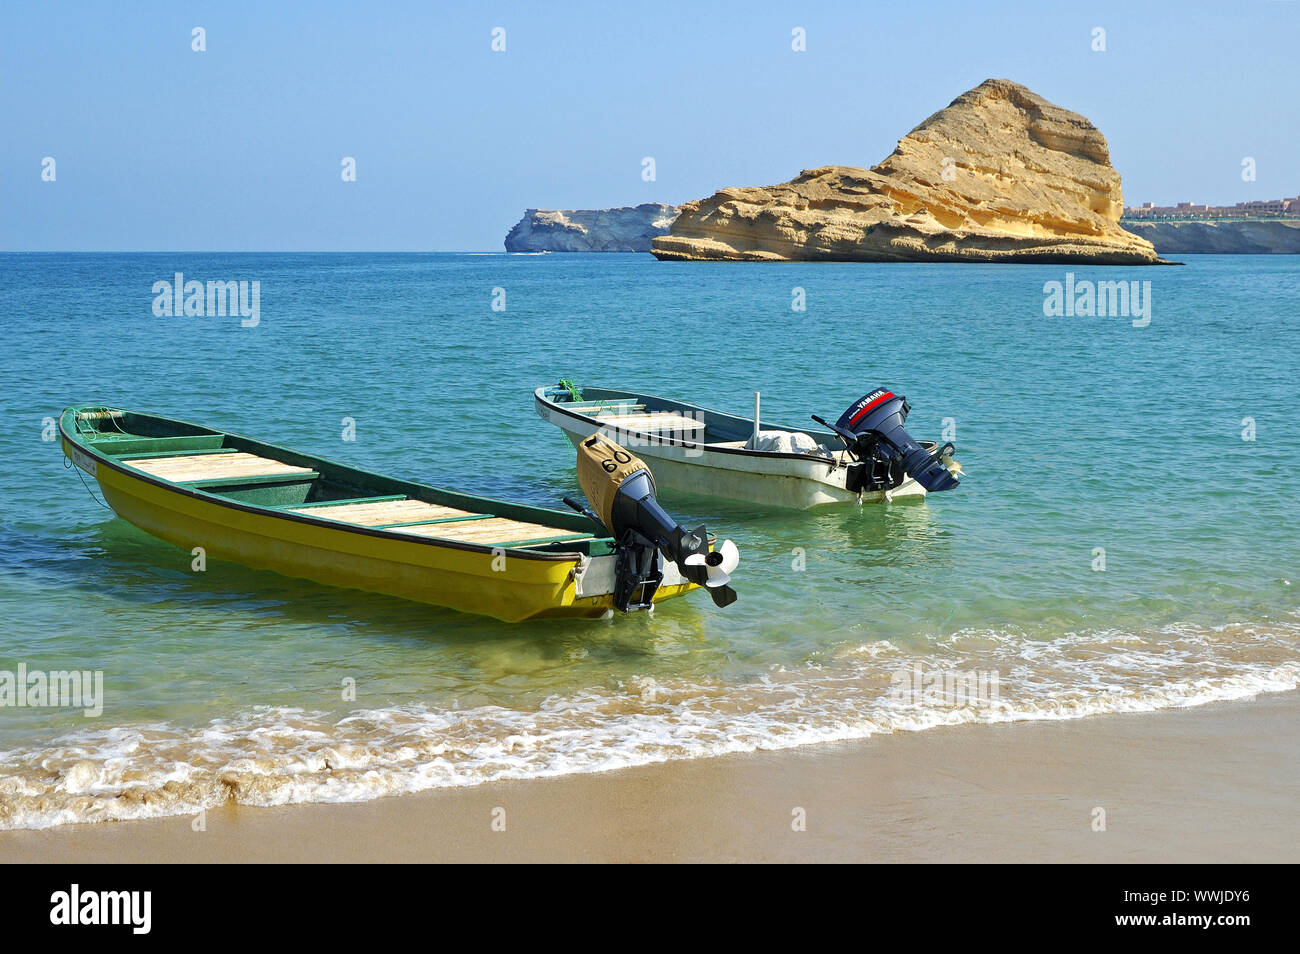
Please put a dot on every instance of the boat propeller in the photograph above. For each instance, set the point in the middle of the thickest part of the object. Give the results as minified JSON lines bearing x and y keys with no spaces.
{"x":621,"y":491}
{"x":718,"y":564}
{"x":872,"y":430}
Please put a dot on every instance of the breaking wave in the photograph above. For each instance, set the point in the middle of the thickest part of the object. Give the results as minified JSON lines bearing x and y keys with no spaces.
{"x":275,"y":756}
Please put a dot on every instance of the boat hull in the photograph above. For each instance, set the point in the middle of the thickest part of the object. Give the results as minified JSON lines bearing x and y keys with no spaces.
{"x":499,"y":582}
{"x":773,"y":480}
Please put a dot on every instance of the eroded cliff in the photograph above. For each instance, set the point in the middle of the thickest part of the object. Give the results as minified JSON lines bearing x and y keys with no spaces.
{"x":1000,"y":175}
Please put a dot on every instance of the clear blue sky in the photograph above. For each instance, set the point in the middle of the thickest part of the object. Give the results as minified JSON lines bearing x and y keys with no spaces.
{"x":239,"y":147}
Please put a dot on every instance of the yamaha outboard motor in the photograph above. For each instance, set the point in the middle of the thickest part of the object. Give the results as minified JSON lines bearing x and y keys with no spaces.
{"x":873,"y":431}
{"x":621,"y":490}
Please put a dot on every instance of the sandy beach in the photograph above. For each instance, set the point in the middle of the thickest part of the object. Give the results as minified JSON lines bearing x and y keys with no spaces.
{"x":1209,"y":784}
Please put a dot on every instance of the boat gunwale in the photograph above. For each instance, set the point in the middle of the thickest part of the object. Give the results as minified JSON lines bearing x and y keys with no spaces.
{"x":702,"y":445}
{"x":571,"y":556}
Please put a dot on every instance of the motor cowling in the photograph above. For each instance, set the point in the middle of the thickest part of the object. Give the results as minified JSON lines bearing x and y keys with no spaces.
{"x":873,"y":427}
{"x":621,"y":491}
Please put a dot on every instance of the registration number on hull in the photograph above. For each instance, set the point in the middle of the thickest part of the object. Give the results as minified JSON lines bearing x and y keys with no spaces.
{"x":84,"y":461}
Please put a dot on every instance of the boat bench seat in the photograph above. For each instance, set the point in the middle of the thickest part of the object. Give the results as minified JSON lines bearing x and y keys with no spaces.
{"x":132,"y":445}
{"x":191,"y":451}
{"x":494,"y":531}
{"x":605,"y":408}
{"x":231,"y":465}
{"x":382,"y":513}
{"x":653,"y":421}
{"x":435,"y":520}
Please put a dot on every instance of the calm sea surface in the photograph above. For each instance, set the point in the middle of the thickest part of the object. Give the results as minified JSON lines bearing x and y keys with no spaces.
{"x":1088,"y":443}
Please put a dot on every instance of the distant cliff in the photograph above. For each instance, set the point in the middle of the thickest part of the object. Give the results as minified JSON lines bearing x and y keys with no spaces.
{"x":627,"y":229}
{"x":1000,"y":175}
{"x":1219,"y":238}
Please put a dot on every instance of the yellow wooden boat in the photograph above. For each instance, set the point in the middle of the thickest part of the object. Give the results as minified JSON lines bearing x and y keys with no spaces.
{"x":272,"y":508}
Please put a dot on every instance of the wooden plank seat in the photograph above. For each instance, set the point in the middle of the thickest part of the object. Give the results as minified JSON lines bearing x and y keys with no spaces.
{"x":653,"y":421}
{"x":312,"y":504}
{"x":380,"y":513}
{"x":494,"y":531}
{"x":160,"y":454}
{"x":231,"y":465}
{"x":608,"y":407}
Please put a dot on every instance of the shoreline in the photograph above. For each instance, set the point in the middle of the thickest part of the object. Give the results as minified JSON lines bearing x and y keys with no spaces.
{"x":1208,"y":783}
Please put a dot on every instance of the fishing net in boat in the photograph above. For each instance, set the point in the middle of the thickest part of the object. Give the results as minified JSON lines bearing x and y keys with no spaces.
{"x":784,"y":442}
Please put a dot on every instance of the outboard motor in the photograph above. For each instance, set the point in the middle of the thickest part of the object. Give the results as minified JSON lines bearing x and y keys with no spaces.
{"x":873,"y":431}
{"x":621,"y":490}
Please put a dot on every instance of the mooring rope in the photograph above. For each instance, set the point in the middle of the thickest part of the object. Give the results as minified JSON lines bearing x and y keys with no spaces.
{"x":68,"y":463}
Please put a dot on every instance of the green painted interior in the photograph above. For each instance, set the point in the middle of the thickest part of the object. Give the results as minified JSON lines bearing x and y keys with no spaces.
{"x":188,"y":452}
{"x":127,"y":445}
{"x":127,"y":434}
{"x":529,"y":543}
{"x":353,"y":500}
{"x":718,"y":426}
{"x":263,"y":492}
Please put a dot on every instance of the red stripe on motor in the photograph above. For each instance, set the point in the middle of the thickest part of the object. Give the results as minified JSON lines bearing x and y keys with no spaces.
{"x":857,"y":417}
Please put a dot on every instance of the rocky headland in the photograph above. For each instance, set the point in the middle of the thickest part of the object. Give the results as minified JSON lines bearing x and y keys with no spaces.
{"x":1000,"y":175}
{"x":627,"y":229}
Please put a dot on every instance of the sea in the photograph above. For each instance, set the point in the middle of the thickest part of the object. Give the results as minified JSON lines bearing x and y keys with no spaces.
{"x":1125,"y":538}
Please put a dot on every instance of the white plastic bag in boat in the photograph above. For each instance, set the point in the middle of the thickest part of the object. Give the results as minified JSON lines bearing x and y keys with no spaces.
{"x":783,"y":442}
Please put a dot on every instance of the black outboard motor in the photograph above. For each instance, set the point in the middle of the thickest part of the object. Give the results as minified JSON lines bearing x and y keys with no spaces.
{"x":622,"y":494}
{"x":873,"y":431}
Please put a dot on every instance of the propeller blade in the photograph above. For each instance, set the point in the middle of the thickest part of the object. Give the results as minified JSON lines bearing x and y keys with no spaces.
{"x":730,"y":557}
{"x":722,"y":596}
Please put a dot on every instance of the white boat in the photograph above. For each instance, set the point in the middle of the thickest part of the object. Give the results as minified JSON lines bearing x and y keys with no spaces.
{"x":865,"y":456}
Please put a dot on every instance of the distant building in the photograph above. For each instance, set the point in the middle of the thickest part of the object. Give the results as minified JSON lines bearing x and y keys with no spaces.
{"x":1255,"y":209}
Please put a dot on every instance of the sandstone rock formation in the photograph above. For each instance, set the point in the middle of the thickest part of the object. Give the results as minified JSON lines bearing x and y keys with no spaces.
{"x":1000,"y":175}
{"x":1220,"y":238}
{"x":627,"y":229}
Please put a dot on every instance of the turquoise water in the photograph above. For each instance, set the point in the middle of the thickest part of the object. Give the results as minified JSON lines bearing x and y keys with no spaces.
{"x":1076,"y":433}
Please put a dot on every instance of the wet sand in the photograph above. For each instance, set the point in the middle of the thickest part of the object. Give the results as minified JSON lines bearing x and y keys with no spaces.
{"x":1213,"y":783}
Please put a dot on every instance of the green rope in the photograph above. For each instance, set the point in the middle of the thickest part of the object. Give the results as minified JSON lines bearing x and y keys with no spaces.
{"x":88,"y":421}
{"x":77,"y":470}
{"x":88,"y":426}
